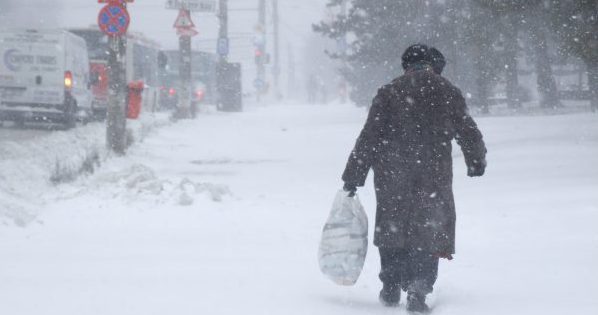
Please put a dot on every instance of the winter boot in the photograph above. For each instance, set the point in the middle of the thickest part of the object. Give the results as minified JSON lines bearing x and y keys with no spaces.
{"x":417,"y":303}
{"x":390,"y":295}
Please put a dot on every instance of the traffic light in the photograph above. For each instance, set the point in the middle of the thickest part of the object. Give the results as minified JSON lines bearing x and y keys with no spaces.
{"x":259,"y":56}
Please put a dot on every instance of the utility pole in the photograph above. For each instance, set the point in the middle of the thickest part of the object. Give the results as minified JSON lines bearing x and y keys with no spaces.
{"x":223,"y":51}
{"x":292,"y":84}
{"x":116,"y":119}
{"x":276,"y":68}
{"x":223,"y":41}
{"x":261,"y":55}
{"x":186,"y":29}
{"x":184,"y":110}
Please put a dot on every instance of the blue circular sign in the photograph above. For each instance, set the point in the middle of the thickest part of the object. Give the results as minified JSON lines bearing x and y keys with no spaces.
{"x":259,"y":84}
{"x":114,"y":20}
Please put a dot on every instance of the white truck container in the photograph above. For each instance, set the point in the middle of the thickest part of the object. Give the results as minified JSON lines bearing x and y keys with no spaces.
{"x":44,"y":76}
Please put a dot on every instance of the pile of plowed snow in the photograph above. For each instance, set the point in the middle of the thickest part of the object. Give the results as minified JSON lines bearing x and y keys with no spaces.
{"x":30,"y":169}
{"x":139,"y":183}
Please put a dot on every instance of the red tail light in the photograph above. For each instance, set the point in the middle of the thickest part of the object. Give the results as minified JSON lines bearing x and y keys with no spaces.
{"x":172,"y":92}
{"x":199,"y":94}
{"x":68,"y":80}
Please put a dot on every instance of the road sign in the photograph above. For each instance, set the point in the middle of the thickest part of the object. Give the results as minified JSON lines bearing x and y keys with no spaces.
{"x":184,"y":20}
{"x":192,"y":5}
{"x":258,"y":84}
{"x":222,"y":46}
{"x":189,"y":32}
{"x":114,"y":20}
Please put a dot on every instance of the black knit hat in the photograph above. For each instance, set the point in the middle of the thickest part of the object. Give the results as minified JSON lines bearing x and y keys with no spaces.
{"x":417,"y":53}
{"x":437,"y":60}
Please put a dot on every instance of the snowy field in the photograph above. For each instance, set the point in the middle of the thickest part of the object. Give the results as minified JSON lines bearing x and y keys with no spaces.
{"x":222,"y":215}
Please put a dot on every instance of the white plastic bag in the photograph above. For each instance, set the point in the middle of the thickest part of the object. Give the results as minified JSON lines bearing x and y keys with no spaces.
{"x":344,"y":241}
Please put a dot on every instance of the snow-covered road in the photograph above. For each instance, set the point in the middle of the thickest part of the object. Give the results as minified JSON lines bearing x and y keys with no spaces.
{"x":222,"y":215}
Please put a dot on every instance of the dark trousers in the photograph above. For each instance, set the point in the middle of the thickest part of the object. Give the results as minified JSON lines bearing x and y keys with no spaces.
{"x":413,"y":271}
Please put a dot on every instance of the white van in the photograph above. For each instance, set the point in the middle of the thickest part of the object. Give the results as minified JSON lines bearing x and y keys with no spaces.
{"x":44,"y":76}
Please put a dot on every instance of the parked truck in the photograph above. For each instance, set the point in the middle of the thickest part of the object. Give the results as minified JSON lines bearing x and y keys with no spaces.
{"x":44,"y":77}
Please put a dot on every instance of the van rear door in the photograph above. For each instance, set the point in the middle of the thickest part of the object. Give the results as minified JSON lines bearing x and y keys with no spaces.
{"x":32,"y":68}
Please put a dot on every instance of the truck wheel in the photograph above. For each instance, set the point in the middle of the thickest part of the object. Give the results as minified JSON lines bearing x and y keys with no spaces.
{"x":99,"y":115}
{"x":70,"y":115}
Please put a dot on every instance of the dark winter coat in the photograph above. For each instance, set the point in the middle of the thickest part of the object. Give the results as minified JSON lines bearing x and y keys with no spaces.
{"x":406,"y":140}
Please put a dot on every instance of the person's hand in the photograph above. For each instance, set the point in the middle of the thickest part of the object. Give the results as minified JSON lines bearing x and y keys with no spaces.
{"x":476,"y":168}
{"x":350,"y":188}
{"x":444,"y":256}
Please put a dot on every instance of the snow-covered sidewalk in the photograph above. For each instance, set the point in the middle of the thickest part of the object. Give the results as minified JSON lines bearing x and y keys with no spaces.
{"x":32,"y":160}
{"x":222,"y":215}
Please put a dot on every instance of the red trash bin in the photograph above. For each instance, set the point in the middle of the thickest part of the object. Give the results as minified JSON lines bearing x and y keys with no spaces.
{"x":135,"y":99}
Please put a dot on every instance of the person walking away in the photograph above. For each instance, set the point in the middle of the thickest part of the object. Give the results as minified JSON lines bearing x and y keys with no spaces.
{"x":406,"y":140}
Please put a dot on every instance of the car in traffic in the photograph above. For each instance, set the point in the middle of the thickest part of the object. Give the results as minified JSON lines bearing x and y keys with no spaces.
{"x":170,"y":95}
